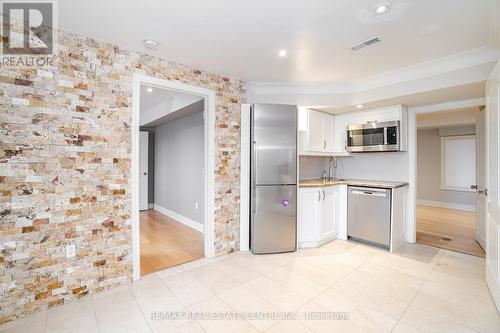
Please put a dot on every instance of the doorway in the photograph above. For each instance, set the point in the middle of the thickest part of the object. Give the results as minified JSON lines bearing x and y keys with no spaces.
{"x":172,"y":186}
{"x":450,"y":163}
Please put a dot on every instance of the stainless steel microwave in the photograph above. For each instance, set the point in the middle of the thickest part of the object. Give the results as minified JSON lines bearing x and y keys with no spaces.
{"x":374,"y":137}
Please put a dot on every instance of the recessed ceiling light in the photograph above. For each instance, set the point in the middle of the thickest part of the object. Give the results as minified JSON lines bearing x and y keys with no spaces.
{"x":151,"y":44}
{"x":382,"y":8}
{"x":149,"y":90}
{"x":282,"y":53}
{"x":359,"y":106}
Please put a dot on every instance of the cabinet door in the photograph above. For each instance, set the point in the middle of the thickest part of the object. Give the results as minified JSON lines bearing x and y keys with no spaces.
{"x":310,"y":202}
{"x":328,"y":209}
{"x":328,"y":132}
{"x":339,"y":133}
{"x":315,"y":131}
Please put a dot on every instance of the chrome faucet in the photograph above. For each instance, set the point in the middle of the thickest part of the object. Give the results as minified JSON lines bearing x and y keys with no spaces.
{"x":331,"y":168}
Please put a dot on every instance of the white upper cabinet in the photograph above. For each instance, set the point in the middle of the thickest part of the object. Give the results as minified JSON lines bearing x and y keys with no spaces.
{"x":388,"y":113}
{"x":325,"y":134}
{"x":315,"y":135}
{"x":316,"y":132}
{"x":328,"y":132}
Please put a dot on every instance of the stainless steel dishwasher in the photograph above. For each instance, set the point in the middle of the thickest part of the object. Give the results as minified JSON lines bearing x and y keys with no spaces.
{"x":369,"y":215}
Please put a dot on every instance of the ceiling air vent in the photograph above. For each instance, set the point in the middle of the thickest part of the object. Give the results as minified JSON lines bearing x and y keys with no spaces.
{"x":365,"y":44}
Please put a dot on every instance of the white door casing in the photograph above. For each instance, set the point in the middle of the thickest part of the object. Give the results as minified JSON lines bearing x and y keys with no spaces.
{"x":143,"y":169}
{"x":481,"y":177}
{"x":411,"y":220}
{"x":209,"y":160}
{"x":493,"y":185}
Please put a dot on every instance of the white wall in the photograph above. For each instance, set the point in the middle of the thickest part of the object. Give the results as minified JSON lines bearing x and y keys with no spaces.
{"x":429,"y":167}
{"x":312,"y":167}
{"x":386,"y":166}
{"x":179,"y":162}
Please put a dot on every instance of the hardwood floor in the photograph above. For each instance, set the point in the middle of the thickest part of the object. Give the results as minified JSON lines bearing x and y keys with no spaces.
{"x":166,"y":242}
{"x":448,"y":229}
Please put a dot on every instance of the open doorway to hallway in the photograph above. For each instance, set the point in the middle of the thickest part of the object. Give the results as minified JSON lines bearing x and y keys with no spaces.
{"x":450,"y":169}
{"x":172,"y":178}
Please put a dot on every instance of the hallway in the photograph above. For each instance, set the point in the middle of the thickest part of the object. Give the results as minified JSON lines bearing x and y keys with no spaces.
{"x":166,"y":243}
{"x":449,"y":229}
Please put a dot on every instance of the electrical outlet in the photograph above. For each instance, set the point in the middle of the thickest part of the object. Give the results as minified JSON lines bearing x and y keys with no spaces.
{"x":70,"y":251}
{"x":196,"y":206}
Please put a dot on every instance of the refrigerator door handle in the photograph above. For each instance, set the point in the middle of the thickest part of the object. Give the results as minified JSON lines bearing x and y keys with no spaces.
{"x":254,"y":163}
{"x":254,"y":199}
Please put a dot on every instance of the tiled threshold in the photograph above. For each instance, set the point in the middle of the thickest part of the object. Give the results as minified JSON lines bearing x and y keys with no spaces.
{"x":340,"y":287}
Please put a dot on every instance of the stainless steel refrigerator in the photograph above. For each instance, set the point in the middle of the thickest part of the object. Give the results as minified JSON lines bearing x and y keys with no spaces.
{"x":273,"y":197}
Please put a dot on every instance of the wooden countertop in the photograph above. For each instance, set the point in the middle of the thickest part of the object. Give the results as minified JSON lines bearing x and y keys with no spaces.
{"x":304,"y":183}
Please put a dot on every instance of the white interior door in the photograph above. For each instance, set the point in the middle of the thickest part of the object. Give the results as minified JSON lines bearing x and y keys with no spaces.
{"x":481,"y":178}
{"x":143,"y":169}
{"x":493,"y":182}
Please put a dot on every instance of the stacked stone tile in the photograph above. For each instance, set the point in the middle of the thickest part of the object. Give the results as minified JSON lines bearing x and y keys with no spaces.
{"x":65,"y":154}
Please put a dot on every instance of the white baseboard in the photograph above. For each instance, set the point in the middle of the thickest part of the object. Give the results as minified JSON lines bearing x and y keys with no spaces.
{"x":181,"y":218}
{"x":318,"y":243}
{"x":480,"y":239}
{"x":467,"y":208}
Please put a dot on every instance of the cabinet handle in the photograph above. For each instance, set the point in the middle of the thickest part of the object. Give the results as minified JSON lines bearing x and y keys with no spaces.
{"x":323,"y":195}
{"x":324,"y":144}
{"x":319,"y":196}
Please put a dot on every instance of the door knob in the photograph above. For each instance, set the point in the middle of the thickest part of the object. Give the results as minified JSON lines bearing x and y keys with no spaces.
{"x":473,"y":187}
{"x":145,"y":173}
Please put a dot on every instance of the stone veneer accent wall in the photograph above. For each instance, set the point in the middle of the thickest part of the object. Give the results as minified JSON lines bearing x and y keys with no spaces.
{"x":65,"y":171}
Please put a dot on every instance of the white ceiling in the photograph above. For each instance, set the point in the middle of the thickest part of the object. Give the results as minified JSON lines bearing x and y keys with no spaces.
{"x":155,"y":98}
{"x":241,"y":39}
{"x":162,"y":105}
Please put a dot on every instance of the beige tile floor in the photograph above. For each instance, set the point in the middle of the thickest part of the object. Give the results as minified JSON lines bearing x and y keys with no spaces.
{"x":417,"y":289}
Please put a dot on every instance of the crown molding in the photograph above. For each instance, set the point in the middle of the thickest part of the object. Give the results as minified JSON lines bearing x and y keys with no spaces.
{"x":449,"y":106}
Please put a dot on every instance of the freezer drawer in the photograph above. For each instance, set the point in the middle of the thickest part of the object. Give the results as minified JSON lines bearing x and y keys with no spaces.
{"x":369,"y":214}
{"x":273,"y":225}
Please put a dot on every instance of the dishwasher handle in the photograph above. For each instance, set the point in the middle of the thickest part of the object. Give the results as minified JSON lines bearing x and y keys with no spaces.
{"x":370,"y":192}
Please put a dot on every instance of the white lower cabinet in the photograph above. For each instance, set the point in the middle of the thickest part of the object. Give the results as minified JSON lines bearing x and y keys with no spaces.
{"x":321,"y":212}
